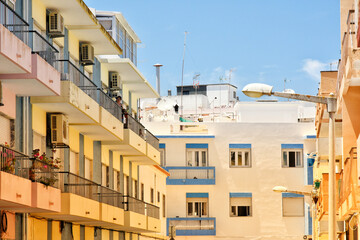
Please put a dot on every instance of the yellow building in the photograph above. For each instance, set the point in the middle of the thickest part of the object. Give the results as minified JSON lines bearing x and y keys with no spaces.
{"x":99,"y":176}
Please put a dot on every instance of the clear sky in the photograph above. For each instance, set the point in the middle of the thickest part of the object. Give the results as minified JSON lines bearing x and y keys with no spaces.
{"x":261,"y":40}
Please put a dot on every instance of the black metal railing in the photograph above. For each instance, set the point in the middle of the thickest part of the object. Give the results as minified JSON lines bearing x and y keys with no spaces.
{"x":70,"y":72}
{"x":110,"y":105}
{"x":152,"y":211}
{"x":134,"y":125}
{"x":43,"y":172}
{"x":14,"y":162}
{"x":151,"y":139}
{"x":134,"y":205}
{"x":111,"y":197}
{"x":11,"y":20}
{"x":71,"y":183}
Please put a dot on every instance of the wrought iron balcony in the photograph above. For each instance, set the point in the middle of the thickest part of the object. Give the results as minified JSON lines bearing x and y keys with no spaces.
{"x":190,"y":175}
{"x":193,"y":226}
{"x":13,"y":21}
{"x":110,"y":105}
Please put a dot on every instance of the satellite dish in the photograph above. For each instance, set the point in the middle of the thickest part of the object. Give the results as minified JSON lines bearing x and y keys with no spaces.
{"x":288,"y":91}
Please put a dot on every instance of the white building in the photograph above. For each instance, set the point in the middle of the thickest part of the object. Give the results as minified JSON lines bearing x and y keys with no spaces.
{"x":222,"y":172}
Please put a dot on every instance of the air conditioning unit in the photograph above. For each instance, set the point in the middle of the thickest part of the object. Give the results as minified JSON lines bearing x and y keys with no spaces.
{"x":324,"y":227}
{"x":86,"y":54}
{"x":59,"y":129}
{"x":56,"y":25}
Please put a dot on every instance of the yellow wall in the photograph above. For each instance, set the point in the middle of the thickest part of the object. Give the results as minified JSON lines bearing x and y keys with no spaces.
{"x":134,"y":170}
{"x":105,"y":155}
{"x":39,"y":120}
{"x":39,"y":13}
{"x":88,"y":147}
{"x":74,"y":140}
{"x":73,"y":46}
{"x":126,"y":166}
{"x":37,"y":229}
{"x":89,"y":233}
{"x":76,"y":232}
{"x":116,"y":161}
{"x":104,"y":75}
{"x":55,"y":231}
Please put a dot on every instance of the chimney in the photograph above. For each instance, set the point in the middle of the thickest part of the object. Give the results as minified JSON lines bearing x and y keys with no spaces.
{"x":157,"y":66}
{"x":169,"y":92}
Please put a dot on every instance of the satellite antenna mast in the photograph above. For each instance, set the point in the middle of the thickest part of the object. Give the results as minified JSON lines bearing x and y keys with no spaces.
{"x":182,"y":76}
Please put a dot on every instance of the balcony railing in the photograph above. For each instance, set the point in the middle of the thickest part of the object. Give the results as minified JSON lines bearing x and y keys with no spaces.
{"x":323,"y":201}
{"x":349,"y":179}
{"x":193,"y":226}
{"x":109,"y":104}
{"x":134,"y":125}
{"x":71,"y":183}
{"x":134,"y":205}
{"x":70,"y":72}
{"x":111,"y":197}
{"x":151,"y":139}
{"x":152,"y":211}
{"x":348,"y":42}
{"x":191,"y":176}
{"x":34,"y":169}
{"x":11,"y":20}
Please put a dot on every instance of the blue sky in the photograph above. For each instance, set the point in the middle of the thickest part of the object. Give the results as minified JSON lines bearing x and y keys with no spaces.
{"x":261,"y":40}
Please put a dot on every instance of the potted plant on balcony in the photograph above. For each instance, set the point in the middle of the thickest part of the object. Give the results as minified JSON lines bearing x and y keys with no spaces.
{"x":43,"y":168}
{"x":8,"y":160}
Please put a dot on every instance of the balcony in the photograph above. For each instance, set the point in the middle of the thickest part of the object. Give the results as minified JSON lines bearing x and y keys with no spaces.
{"x":111,"y":208}
{"x":323,"y":201}
{"x":190,"y":176}
{"x":135,"y":217}
{"x":79,"y":199}
{"x":193,"y":226}
{"x":15,"y":55}
{"x":152,"y":147}
{"x":349,"y":199}
{"x":27,"y":183}
{"x":153,"y":218}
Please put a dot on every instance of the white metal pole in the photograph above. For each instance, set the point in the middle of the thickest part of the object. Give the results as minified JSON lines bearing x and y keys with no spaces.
{"x":182,"y":76}
{"x":331,"y":108}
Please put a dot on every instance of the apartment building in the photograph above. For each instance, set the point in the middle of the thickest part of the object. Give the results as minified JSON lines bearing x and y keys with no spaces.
{"x":223,"y":168}
{"x":344,"y":84}
{"x":74,"y":165}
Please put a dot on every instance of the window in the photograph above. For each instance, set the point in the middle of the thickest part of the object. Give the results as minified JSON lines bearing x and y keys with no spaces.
{"x":151,"y":195}
{"x":163,"y":205}
{"x":240,"y":204}
{"x":292,"y":205}
{"x":127,"y":185}
{"x":88,"y":168}
{"x":136,"y":189}
{"x":196,"y":157}
{"x":162,"y":154}
{"x":142,"y":192}
{"x":197,"y":204}
{"x":74,"y":162}
{"x":105,"y":180}
{"x":116,"y":180}
{"x":158,"y":196}
{"x":240,"y":158}
{"x":292,"y":158}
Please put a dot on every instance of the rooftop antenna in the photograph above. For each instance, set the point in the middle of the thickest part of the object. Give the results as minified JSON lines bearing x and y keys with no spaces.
{"x":285,"y":81}
{"x":182,"y":75}
{"x":196,"y":86}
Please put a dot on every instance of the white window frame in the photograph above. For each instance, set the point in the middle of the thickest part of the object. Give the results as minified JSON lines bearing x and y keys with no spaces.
{"x":237,"y":205}
{"x":191,"y":161}
{"x":298,"y":158}
{"x":201,"y":203}
{"x":243,"y":152}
